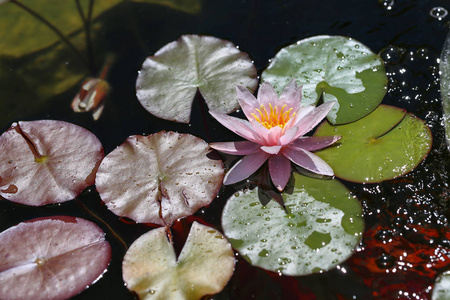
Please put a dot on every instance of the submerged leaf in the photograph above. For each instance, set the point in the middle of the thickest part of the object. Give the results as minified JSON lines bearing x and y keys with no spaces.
{"x":47,"y":161}
{"x":51,"y":258}
{"x":384,"y":145}
{"x":159,"y":178}
{"x":168,"y":81}
{"x":320,"y":229}
{"x":151,"y":269}
{"x":189,"y":6}
{"x":336,"y":67}
{"x":27,"y":34}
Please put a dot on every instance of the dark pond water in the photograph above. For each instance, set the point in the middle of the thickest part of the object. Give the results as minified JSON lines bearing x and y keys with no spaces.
{"x":405,"y":245}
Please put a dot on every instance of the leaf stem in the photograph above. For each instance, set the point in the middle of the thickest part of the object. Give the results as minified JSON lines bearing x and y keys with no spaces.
{"x":87,"y":29}
{"x":104,"y":223}
{"x":51,"y":27}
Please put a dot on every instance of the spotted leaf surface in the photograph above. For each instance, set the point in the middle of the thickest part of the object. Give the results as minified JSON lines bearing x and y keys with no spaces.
{"x":319,"y":229}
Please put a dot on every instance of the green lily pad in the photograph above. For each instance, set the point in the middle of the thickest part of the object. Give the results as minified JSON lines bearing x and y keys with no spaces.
{"x":321,"y":228}
{"x":168,"y":81}
{"x":441,"y":289}
{"x":384,"y":145}
{"x":151,"y":269}
{"x":337,"y":67}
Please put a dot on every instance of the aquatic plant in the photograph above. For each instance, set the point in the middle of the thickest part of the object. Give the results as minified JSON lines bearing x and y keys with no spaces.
{"x":275,"y":132}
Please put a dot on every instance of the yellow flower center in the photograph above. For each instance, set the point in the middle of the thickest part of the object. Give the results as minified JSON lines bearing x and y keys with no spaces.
{"x":273,"y":117}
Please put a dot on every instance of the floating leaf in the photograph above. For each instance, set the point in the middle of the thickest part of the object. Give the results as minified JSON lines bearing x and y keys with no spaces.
{"x":441,"y":289}
{"x":321,"y":228}
{"x":337,"y":67}
{"x":51,"y":258}
{"x":444,"y":67}
{"x":159,"y":178}
{"x":384,"y":145}
{"x":47,"y":161}
{"x":205,"y":265}
{"x":168,"y":81}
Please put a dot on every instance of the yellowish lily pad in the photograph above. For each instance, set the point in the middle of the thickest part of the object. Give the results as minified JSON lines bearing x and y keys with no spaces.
{"x":151,"y":269}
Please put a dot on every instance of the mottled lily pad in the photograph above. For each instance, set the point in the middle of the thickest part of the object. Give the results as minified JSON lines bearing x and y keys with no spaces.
{"x":335,"y":67}
{"x":384,"y":145}
{"x":168,"y":81}
{"x":47,"y":161}
{"x":321,"y":228}
{"x":51,"y":258}
{"x":151,"y":269}
{"x":441,"y":289}
{"x":159,"y":178}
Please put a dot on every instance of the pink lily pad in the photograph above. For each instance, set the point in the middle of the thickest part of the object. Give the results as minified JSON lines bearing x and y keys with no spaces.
{"x":47,"y":161}
{"x":152,"y":270}
{"x":159,"y":178}
{"x":168,"y":81}
{"x":51,"y":258}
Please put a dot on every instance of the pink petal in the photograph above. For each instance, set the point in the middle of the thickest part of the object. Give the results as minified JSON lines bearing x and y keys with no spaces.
{"x":245,"y":167}
{"x":292,"y":95}
{"x":313,"y":118}
{"x":303,"y":111}
{"x":236,"y":148}
{"x":241,"y":127}
{"x":260,"y":129}
{"x":308,"y":160}
{"x":267,"y":94}
{"x":280,"y":171}
{"x":247,"y":101}
{"x":287,"y":137}
{"x":312,"y":143}
{"x":271,"y":149}
{"x":274,"y":135}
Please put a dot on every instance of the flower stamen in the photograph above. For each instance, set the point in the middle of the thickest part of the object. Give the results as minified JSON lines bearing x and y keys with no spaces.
{"x":273,"y":117}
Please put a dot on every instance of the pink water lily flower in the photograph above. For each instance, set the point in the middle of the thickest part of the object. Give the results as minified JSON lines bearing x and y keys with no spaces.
{"x":275,"y":132}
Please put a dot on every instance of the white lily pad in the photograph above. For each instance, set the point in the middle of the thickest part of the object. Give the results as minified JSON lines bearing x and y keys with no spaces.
{"x":320,"y":229}
{"x":336,"y":67}
{"x":168,"y":81}
{"x":444,"y":67}
{"x":51,"y":258}
{"x":151,"y":269}
{"x":441,"y":289}
{"x":47,"y":161}
{"x":159,"y":178}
